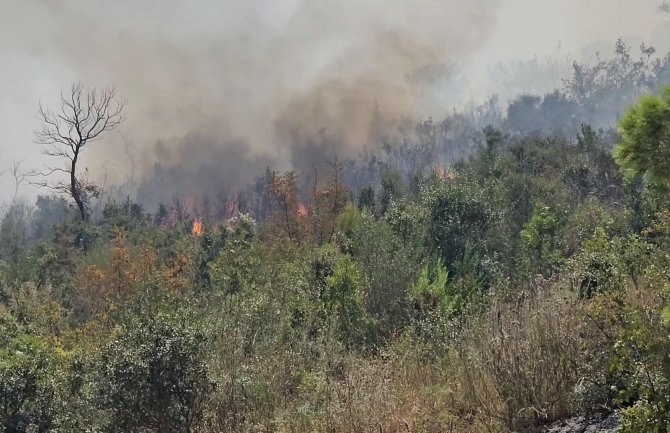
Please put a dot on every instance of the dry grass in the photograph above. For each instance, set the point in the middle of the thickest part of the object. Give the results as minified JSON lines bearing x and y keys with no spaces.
{"x":522,"y":360}
{"x":515,"y":369}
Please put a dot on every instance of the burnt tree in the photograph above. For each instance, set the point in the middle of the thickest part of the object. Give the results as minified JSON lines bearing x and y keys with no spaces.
{"x":84,"y":115}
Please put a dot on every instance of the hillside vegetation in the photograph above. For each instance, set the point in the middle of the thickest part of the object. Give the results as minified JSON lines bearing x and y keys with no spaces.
{"x":521,"y":280}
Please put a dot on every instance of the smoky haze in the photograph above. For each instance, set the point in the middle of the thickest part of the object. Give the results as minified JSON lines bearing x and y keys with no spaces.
{"x":224,"y":88}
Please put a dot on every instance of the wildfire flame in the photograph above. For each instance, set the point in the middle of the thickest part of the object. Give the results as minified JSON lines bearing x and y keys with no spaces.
{"x":302,"y":210}
{"x":197,"y":227}
{"x":443,"y":174}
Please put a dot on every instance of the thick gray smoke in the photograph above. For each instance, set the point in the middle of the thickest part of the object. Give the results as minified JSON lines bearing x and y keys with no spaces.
{"x":238,"y":83}
{"x":263,"y":74}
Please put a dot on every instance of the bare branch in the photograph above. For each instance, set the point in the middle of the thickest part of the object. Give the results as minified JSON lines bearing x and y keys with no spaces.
{"x":51,"y":171}
{"x":84,"y":116}
{"x":19,"y":178}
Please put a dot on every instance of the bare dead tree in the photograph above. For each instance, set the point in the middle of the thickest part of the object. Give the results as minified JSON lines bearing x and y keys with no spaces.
{"x":19,"y":178}
{"x":131,"y":154}
{"x":84,"y":115}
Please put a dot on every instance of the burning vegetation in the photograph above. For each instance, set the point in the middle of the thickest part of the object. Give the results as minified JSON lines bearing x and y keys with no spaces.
{"x":302,"y":210}
{"x":196,"y":230}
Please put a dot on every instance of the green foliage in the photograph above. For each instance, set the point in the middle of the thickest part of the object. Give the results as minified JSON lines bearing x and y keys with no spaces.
{"x":49,"y":211}
{"x":586,"y":219}
{"x":645,"y":416}
{"x":540,"y":238}
{"x":366,"y":198}
{"x":598,"y":268}
{"x":219,"y":247}
{"x":343,"y":301}
{"x":665,"y":315}
{"x":126,"y":216}
{"x":645,"y":145}
{"x":638,"y":359}
{"x":408,"y":221}
{"x":236,"y":267}
{"x":460,"y":218}
{"x":153,"y":372}
{"x":15,"y":231}
{"x":430,"y":291}
{"x":29,"y":380}
{"x":393,"y":188}
{"x":390,"y":267}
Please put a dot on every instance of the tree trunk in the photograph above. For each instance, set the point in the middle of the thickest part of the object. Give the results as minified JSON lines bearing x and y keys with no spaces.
{"x":74,"y":191}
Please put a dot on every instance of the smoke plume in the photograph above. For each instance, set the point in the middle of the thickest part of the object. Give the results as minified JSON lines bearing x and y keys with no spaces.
{"x":275,"y":78}
{"x":236,"y":84}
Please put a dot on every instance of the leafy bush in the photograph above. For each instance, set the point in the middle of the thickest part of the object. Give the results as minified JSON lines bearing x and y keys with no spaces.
{"x":153,"y":373}
{"x":30,"y":384}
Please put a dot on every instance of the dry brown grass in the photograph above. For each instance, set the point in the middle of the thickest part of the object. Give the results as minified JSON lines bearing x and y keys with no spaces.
{"x":522,"y":360}
{"x":514,"y":369}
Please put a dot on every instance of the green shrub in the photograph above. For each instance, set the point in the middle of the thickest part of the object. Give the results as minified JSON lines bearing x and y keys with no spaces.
{"x":153,"y":374}
{"x":30,"y":384}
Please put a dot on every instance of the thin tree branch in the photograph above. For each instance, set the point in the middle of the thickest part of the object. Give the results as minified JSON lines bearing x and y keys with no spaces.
{"x":84,"y":116}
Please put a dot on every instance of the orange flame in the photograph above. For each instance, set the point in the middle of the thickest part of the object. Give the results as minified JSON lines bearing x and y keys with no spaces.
{"x":197,"y":227}
{"x":302,"y":210}
{"x":443,"y":174}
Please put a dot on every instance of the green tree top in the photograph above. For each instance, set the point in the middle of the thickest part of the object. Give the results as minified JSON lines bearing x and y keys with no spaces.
{"x":645,"y":145}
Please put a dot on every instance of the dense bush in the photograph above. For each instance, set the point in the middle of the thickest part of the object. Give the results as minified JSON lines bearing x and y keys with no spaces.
{"x":153,"y":375}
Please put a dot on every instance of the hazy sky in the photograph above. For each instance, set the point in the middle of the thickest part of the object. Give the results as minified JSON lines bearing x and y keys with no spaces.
{"x":263,"y":72}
